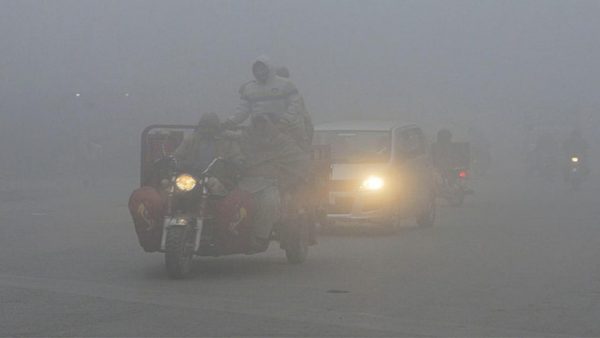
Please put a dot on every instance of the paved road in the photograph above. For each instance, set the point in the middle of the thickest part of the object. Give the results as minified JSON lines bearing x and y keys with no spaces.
{"x":519,"y":259}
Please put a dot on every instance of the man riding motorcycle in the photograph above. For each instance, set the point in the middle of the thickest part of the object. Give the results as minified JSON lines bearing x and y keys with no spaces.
{"x":258,"y":173}
{"x":451,"y":161}
{"x":226,"y":191}
{"x":207,"y":143}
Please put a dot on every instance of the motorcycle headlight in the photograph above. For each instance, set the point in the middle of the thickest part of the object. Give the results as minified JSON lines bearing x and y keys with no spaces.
{"x":185,"y":182}
{"x":372,"y":183}
{"x":575,"y":159}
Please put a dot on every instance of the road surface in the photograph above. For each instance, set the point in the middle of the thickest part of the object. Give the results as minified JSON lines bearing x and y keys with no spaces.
{"x":519,"y":259}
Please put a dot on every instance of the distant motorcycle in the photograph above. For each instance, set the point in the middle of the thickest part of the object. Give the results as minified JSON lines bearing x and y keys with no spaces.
{"x":576,"y":171}
{"x":453,"y":187}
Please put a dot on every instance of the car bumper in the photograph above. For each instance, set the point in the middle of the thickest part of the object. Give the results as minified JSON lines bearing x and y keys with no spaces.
{"x":357,"y":209}
{"x":349,"y":219}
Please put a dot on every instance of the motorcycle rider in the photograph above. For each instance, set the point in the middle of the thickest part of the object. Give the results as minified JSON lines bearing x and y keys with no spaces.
{"x":206,"y":143}
{"x":450,"y":159}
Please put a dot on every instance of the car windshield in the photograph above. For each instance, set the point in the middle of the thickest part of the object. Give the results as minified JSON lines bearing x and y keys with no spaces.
{"x":356,"y":146}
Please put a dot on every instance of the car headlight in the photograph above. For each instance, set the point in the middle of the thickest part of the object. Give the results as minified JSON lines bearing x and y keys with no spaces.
{"x":372,"y":183}
{"x":575,"y":159}
{"x":185,"y":182}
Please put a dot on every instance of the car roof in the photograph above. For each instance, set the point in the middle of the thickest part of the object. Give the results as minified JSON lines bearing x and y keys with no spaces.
{"x":362,"y":125}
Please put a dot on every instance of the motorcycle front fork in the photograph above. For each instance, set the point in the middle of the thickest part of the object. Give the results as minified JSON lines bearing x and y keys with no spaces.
{"x":180,"y":221}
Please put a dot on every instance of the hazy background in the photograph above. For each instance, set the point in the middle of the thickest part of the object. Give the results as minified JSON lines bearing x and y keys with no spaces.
{"x":496,"y":65}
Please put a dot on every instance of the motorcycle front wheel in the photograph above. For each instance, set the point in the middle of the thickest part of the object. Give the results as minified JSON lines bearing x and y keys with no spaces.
{"x":179,"y":251}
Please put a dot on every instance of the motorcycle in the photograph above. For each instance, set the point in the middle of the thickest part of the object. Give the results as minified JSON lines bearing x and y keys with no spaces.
{"x":575,"y":172}
{"x":184,"y":211}
{"x":452,"y":186}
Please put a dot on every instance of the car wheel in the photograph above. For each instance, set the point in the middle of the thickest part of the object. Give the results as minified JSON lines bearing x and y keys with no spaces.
{"x":297,"y":242}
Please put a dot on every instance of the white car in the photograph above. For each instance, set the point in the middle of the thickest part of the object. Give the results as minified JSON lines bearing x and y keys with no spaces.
{"x":381,"y":173}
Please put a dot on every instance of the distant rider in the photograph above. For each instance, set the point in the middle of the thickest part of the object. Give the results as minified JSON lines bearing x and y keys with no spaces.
{"x":441,"y":152}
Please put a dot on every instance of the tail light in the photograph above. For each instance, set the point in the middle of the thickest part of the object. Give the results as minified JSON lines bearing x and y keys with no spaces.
{"x":462,"y":174}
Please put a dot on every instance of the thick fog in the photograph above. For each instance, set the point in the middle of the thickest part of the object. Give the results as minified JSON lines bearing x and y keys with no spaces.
{"x":397,"y":251}
{"x":71,"y":71}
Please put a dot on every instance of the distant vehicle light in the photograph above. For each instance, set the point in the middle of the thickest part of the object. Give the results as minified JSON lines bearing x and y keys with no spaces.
{"x":575,"y":159}
{"x":463,"y":174}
